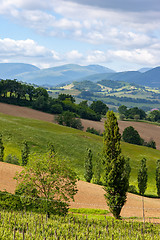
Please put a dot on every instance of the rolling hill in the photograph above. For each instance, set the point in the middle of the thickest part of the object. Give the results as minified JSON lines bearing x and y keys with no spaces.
{"x":69,"y":143}
{"x":11,"y":70}
{"x":61,"y":74}
{"x":72,"y":72}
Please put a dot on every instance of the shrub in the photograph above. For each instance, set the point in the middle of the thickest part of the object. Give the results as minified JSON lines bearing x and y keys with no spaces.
{"x":131,"y":135}
{"x":12,"y":159}
{"x":132,"y":189}
{"x":93,"y":131}
{"x":68,"y":119}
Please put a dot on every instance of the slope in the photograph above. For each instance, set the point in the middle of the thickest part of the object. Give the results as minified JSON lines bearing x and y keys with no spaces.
{"x":89,"y":195}
{"x":10,"y":70}
{"x":69,"y":143}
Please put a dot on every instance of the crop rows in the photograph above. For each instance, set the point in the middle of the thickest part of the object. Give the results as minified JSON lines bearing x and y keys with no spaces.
{"x":25,"y":225}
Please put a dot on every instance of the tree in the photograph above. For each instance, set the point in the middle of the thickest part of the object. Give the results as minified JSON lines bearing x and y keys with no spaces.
{"x":131,"y":135}
{"x":158,"y":177}
{"x":48,"y":178}
{"x":64,"y":96}
{"x":99,"y":107}
{"x":97,"y":171}
{"x":122,"y":110}
{"x":142,"y":177}
{"x":88,"y":166}
{"x":115,"y":176}
{"x":1,"y":149}
{"x":25,"y":153}
{"x":68,"y":119}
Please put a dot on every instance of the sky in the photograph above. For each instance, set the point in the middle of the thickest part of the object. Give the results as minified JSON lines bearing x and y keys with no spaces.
{"x":119,"y":34}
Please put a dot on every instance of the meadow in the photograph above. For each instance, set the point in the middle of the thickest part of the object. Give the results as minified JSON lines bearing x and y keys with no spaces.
{"x":70,"y":144}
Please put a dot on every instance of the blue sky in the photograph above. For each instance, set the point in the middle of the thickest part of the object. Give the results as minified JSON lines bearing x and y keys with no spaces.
{"x":119,"y":34}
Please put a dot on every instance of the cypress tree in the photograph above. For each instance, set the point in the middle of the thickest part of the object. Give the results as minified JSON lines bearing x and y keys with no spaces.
{"x":158,"y":177}
{"x":142,"y":177}
{"x":1,"y":149}
{"x":88,"y":166}
{"x":97,"y":171}
{"x":116,"y":179}
{"x":25,"y":153}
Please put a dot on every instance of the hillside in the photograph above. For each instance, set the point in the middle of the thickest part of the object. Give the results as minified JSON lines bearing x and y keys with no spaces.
{"x":146,"y":130}
{"x":113,"y":93}
{"x":61,"y":74}
{"x":148,"y":78}
{"x":89,"y":195}
{"x":11,"y":70}
{"x":69,"y":143}
{"x":72,"y":72}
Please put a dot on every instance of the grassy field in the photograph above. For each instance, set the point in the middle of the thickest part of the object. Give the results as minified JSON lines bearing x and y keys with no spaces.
{"x":70,"y":144}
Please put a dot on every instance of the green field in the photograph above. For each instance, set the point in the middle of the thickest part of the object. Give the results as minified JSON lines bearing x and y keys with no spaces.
{"x":70,"y":144}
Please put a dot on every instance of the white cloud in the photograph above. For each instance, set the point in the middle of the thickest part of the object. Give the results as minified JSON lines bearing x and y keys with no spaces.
{"x":132,"y":36}
{"x":73,"y":55}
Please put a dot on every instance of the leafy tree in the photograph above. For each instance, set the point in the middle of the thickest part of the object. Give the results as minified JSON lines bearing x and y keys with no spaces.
{"x":99,"y":107}
{"x":131,"y":135}
{"x":154,"y":116}
{"x":84,"y":104}
{"x":158,"y":177}
{"x":68,"y":119}
{"x":88,"y":166}
{"x":1,"y":149}
{"x":135,"y":111}
{"x":64,"y":96}
{"x":142,"y":177}
{"x":115,"y":175}
{"x":48,"y":178}
{"x":56,"y":108}
{"x":122,"y":110}
{"x":25,"y":153}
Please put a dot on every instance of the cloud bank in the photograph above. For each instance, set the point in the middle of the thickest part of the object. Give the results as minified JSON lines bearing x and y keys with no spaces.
{"x":127,"y":31}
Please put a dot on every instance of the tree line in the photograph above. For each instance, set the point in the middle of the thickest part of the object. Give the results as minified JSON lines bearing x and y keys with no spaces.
{"x":113,"y":169}
{"x":14,"y":92}
{"x":138,"y":114}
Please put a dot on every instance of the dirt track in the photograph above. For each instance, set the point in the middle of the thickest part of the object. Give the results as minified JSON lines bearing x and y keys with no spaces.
{"x":89,"y":195}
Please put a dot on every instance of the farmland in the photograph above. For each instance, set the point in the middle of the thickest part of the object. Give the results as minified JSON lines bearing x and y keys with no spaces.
{"x":22,"y":225}
{"x":71,"y":144}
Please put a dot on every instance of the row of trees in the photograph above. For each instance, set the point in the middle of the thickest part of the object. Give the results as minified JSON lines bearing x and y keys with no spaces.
{"x":138,"y":114}
{"x":114,"y":168}
{"x":14,"y":92}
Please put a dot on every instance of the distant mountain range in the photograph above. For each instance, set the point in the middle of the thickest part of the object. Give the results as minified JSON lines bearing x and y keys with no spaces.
{"x":72,"y":72}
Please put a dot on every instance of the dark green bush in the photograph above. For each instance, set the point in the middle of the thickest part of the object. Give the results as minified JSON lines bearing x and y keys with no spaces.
{"x":12,"y":159}
{"x":132,"y":189}
{"x":94,"y":131}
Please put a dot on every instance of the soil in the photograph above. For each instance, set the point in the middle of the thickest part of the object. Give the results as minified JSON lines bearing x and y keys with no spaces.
{"x":89,"y":195}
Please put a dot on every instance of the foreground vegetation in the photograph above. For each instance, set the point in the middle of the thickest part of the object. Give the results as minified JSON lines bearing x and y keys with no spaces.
{"x":27,"y":225}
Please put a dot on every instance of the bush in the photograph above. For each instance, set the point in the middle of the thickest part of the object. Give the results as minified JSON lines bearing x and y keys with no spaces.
{"x":12,"y":159}
{"x":93,"y":131}
{"x":68,"y":119}
{"x":132,"y":189}
{"x":131,"y":135}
